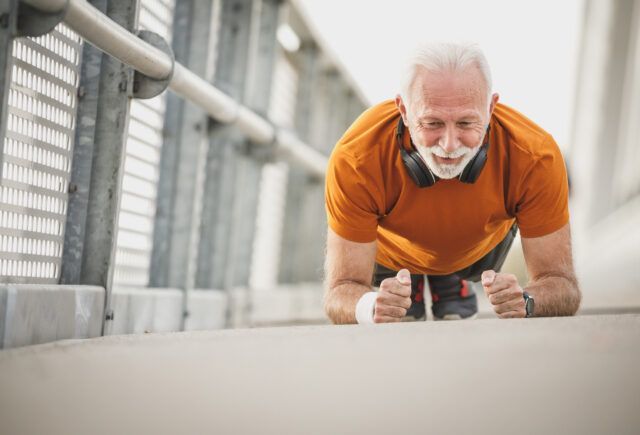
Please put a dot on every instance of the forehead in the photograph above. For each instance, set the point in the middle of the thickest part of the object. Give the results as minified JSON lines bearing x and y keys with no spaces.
{"x":448,"y":92}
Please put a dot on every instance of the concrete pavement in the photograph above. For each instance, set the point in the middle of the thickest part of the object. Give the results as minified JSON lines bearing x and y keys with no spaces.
{"x":562,"y":375}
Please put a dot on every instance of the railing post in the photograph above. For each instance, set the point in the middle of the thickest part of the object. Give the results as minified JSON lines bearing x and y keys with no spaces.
{"x":90,"y":239}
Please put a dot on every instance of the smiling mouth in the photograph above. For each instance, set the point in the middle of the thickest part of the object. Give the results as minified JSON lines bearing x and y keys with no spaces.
{"x":447,"y":160}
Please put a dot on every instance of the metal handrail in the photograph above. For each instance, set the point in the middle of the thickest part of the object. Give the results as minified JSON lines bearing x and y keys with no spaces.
{"x":108,"y":36}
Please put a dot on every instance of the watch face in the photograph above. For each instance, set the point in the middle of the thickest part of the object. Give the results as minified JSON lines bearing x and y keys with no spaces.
{"x":529,"y":306}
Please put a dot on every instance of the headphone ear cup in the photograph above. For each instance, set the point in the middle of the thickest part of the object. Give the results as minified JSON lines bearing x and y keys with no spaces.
{"x":472,"y":171}
{"x":417,"y":169}
{"x":413,"y":163}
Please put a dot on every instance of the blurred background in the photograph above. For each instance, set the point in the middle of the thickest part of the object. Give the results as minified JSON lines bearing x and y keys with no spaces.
{"x":121,"y":214}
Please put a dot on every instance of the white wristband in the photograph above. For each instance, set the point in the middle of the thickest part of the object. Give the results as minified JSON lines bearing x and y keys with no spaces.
{"x":365,"y":308}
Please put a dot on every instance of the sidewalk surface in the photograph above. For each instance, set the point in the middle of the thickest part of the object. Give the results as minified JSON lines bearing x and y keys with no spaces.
{"x":565,"y":375}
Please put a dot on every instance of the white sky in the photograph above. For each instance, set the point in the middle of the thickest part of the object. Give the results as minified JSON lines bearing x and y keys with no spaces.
{"x":531,"y":46}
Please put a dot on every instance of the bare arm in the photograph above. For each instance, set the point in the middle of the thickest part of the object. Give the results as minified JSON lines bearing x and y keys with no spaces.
{"x":348,"y":274}
{"x":553,"y":283}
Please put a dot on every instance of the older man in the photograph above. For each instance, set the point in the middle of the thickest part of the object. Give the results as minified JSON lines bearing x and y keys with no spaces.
{"x":429,"y":190}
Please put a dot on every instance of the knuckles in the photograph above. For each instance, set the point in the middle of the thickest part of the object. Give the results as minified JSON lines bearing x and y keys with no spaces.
{"x":383,"y":311}
{"x":510,"y":279}
{"x":389,"y":284}
{"x":511,"y":310}
{"x":391,"y":300}
{"x":511,"y":292}
{"x":512,"y":315}
{"x":378,"y":318}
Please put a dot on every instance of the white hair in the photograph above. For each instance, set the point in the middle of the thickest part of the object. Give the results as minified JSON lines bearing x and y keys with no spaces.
{"x":445,"y":56}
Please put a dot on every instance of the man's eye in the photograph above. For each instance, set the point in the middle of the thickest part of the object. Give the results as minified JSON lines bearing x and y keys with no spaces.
{"x":465,"y":124}
{"x":434,"y":124}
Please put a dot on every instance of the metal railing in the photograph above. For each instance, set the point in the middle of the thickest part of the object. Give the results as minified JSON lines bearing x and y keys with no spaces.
{"x":114,"y":40}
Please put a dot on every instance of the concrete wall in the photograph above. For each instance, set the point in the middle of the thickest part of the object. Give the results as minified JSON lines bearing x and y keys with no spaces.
{"x":32,"y":314}
{"x":288,"y":304}
{"x":603,"y":158}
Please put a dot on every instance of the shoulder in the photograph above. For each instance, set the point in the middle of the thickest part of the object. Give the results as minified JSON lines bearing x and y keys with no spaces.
{"x":521,"y":136}
{"x":370,"y":132}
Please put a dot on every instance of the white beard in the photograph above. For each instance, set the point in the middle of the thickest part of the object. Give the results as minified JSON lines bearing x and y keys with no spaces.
{"x":447,"y":171}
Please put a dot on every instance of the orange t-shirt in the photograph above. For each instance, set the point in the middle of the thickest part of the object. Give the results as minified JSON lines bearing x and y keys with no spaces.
{"x":451,"y":225}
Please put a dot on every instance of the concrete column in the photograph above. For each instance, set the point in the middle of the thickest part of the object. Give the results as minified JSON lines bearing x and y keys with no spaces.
{"x":626,"y":179}
{"x":602,"y":66}
{"x":606,"y":239}
{"x":105,"y":86}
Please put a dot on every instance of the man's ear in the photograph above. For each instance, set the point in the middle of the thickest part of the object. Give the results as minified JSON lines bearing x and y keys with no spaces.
{"x":494,"y":100}
{"x":402,"y":109}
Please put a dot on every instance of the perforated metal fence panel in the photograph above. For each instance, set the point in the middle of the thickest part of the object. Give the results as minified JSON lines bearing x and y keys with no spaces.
{"x":37,"y":151}
{"x":273,"y":188}
{"x":141,"y":167}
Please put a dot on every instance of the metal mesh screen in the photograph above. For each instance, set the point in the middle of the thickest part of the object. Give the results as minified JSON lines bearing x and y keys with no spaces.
{"x":37,"y":155}
{"x":273,"y":187}
{"x":141,"y":167}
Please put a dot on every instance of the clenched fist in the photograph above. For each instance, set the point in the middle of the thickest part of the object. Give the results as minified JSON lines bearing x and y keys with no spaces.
{"x":394,"y":298}
{"x":504,"y":293}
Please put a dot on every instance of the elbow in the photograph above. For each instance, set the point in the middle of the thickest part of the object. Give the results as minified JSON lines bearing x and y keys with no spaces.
{"x":334,"y":307}
{"x":576,"y":299}
{"x":329,"y":305}
{"x":573,"y":298}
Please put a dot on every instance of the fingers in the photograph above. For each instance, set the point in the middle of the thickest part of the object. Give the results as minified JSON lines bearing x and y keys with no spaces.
{"x":377,"y":318}
{"x":513,"y":293}
{"x":404,"y":277}
{"x":487,"y":277}
{"x":496,"y":282}
{"x":389,"y":311}
{"x":394,"y":298}
{"x":514,"y":305}
{"x":399,"y":285}
{"x":512,"y":315}
{"x":504,"y":293}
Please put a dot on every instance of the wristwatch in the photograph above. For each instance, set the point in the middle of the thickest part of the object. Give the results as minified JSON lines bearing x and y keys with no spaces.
{"x":529,"y":304}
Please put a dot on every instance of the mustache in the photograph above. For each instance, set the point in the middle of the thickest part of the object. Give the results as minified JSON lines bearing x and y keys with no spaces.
{"x":437,"y":151}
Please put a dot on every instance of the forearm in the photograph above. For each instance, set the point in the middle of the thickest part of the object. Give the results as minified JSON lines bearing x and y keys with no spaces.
{"x":555,"y":295}
{"x":340,"y":301}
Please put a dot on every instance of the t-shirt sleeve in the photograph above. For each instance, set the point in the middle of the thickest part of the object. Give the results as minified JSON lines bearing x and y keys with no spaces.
{"x":350,"y":199}
{"x":543,"y":206}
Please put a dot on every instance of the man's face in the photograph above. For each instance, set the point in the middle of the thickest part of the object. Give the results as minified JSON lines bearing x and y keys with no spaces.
{"x":447,"y":117}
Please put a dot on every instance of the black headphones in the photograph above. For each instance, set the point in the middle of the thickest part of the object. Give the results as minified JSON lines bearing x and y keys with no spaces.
{"x":420,"y":172}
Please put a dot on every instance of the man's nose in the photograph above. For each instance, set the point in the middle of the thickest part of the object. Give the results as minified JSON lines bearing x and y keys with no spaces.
{"x":449,"y":142}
